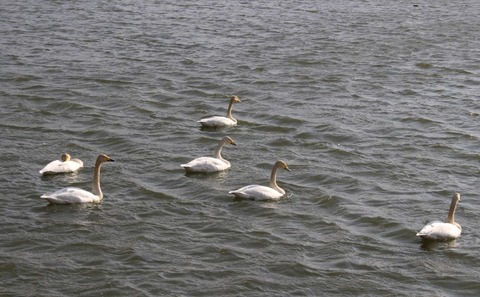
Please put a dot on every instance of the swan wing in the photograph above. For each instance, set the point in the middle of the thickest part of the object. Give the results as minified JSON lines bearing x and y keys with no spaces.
{"x":52,"y":167}
{"x":439,"y":231}
{"x":58,"y":166}
{"x":256,"y":192}
{"x":217,"y":121}
{"x":80,"y":162}
{"x":70,"y":195}
{"x":72,"y":165}
{"x":206,"y":165}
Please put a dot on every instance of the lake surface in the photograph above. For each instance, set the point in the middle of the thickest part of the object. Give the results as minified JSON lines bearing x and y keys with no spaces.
{"x":374,"y":105}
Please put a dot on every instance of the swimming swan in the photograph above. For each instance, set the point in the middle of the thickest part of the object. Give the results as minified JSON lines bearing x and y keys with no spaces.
{"x":443,"y":231}
{"x":73,"y":195}
{"x":256,"y":192}
{"x":65,"y":165}
{"x":219,"y":121}
{"x":210,"y":164}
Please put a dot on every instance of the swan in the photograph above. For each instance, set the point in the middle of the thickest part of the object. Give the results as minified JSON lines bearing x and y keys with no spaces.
{"x":72,"y":195}
{"x":438,"y":230}
{"x":65,"y":165}
{"x":219,"y":121}
{"x":256,"y":192}
{"x":210,"y":164}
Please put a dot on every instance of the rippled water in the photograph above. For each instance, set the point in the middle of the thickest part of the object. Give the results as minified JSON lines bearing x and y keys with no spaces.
{"x":373,"y":104}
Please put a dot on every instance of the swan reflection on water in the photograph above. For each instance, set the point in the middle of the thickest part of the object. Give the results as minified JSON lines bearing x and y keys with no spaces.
{"x":431,"y":245}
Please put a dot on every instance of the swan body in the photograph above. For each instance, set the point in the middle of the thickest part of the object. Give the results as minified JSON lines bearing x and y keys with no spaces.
{"x":65,"y":165}
{"x":217,"y":122}
{"x":443,"y":231}
{"x":72,"y":195}
{"x":257,"y":192}
{"x":220,"y":121}
{"x":210,"y":164}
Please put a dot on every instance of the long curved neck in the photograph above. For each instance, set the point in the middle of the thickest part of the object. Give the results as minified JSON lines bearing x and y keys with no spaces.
{"x":229,"y":110}
{"x":273,"y":177}
{"x":96,"y":180}
{"x":451,"y":212}
{"x":218,"y":151}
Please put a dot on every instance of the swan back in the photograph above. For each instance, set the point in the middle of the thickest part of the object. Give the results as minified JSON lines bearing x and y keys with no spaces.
{"x":440,"y":231}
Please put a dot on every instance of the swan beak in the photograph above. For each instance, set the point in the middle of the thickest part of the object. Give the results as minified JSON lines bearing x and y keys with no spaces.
{"x":110,"y":160}
{"x":233,"y":143}
{"x":288,"y":169}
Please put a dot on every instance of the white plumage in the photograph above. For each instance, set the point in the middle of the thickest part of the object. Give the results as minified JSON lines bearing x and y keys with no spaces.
{"x":443,"y":231}
{"x":257,"y":192}
{"x":210,"y":164}
{"x":219,"y":121}
{"x":72,"y":195}
{"x":65,"y":165}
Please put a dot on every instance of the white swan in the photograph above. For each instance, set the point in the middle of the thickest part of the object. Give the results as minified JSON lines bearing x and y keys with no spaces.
{"x":73,"y":195}
{"x":437,"y":230}
{"x":219,"y":121}
{"x":210,"y":164}
{"x":256,"y":192}
{"x":65,"y":165}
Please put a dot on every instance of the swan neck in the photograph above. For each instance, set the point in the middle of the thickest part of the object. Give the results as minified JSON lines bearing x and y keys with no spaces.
{"x":451,"y":212}
{"x":218,"y":150}
{"x":96,"y":180}
{"x":273,"y":177}
{"x":229,"y":110}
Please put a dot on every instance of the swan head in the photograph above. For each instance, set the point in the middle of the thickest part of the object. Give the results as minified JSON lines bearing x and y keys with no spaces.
{"x":228,"y":140}
{"x":104,"y":158}
{"x":456,"y":197}
{"x":282,"y":164}
{"x":65,"y":157}
{"x":235,"y":99}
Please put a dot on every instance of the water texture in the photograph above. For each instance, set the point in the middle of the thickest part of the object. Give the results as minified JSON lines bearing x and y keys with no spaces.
{"x":373,"y":104}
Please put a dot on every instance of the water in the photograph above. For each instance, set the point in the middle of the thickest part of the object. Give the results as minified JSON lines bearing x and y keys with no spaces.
{"x":373,"y":104}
